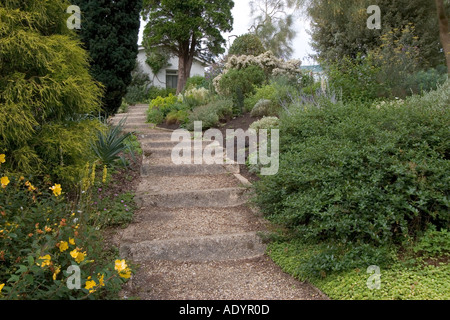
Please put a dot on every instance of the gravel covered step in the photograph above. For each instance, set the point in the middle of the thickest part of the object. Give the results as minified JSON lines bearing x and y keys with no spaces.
{"x":149,"y":144}
{"x":215,"y":198}
{"x":185,"y":169}
{"x":248,"y":279}
{"x":165,"y":223}
{"x":160,"y":184}
{"x":208,"y":248}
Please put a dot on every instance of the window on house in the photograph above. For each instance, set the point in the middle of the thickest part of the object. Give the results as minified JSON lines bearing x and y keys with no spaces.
{"x":171,"y":79}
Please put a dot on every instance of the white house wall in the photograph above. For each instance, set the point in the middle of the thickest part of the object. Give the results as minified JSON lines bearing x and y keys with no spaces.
{"x":160,"y":79}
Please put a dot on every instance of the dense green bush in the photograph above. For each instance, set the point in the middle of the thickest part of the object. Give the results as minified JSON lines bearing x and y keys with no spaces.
{"x":210,"y":114}
{"x":196,"y":82}
{"x":155,"y":92}
{"x":244,"y":79}
{"x":356,"y":79}
{"x":42,"y":234}
{"x":137,"y":91}
{"x":362,"y":177}
{"x":247,"y":44}
{"x":279,"y":92}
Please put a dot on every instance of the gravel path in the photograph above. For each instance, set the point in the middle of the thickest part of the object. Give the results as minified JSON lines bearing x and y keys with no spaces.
{"x":195,"y":237}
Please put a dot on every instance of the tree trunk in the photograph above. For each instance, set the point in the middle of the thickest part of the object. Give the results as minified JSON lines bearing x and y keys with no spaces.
{"x":185,"y":61}
{"x":444,"y":31}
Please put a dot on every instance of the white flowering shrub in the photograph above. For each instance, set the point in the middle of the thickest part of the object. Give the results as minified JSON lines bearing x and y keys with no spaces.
{"x":197,"y":96}
{"x":267,"y":123}
{"x":267,"y":61}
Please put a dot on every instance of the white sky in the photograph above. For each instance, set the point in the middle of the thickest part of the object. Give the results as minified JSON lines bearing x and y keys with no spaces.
{"x":242,"y":22}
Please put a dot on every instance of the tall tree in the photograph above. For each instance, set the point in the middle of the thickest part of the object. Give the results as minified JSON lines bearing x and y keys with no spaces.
{"x":110,"y":30}
{"x":339,"y":28}
{"x":273,"y":23}
{"x":187,"y":29}
{"x":444,"y":30}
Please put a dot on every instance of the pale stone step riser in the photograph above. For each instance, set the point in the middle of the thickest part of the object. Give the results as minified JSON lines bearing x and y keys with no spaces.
{"x":215,"y":198}
{"x":187,"y":170}
{"x":214,"y":248}
{"x":168,"y":144}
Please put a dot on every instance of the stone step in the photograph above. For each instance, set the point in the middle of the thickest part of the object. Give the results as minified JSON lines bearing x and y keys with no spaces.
{"x":134,"y":118}
{"x":151,"y":143}
{"x":161,"y":184}
{"x":164,"y":152}
{"x":214,"y":198}
{"x":244,"y":279}
{"x":149,"y":169}
{"x":166,"y":161}
{"x":208,"y":248}
{"x":136,"y":125}
{"x":164,"y":223}
{"x":155,"y":135}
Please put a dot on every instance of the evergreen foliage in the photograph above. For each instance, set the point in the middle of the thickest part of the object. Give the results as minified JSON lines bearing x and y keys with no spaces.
{"x":339,"y":28}
{"x":109,"y":30}
{"x":45,"y":90}
{"x":247,"y":44}
{"x":187,"y":29}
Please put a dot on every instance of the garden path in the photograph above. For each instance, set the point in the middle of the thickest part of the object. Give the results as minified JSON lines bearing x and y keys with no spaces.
{"x":195,"y":237}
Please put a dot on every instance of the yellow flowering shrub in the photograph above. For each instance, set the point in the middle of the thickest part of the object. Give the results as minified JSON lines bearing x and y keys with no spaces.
{"x":42,"y":234}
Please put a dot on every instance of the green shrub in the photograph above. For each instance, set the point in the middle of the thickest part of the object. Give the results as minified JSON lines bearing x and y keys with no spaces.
{"x":356,"y":79}
{"x":196,"y":82}
{"x":244,"y":79}
{"x":42,"y":234}
{"x":210,"y":114}
{"x":110,"y":144}
{"x":177,"y":117}
{"x":194,"y":97}
{"x":137,"y":91}
{"x":353,"y":175}
{"x":279,"y":91}
{"x":247,"y":44}
{"x":161,"y":107}
{"x":155,"y":116}
{"x":155,"y":92}
{"x":267,"y":123}
{"x":434,"y":243}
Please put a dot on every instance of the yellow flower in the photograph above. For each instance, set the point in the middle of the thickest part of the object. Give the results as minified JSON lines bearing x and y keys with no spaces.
{"x":1,"y":286}
{"x":30,"y":186}
{"x":63,"y":246}
{"x":126,"y":274}
{"x":78,"y":255}
{"x":4,"y":181}
{"x":57,"y":271}
{"x":72,"y":241}
{"x":101,"y":280}
{"x":90,"y":285}
{"x":56,"y":189}
{"x":105,"y":174}
{"x":122,"y":268}
{"x":120,"y":265}
{"x":46,"y":261}
{"x":2,"y":158}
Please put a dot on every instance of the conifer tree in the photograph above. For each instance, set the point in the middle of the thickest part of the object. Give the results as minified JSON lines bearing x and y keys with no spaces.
{"x":109,"y":31}
{"x":46,"y":90}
